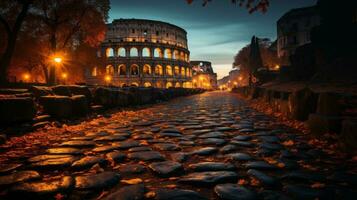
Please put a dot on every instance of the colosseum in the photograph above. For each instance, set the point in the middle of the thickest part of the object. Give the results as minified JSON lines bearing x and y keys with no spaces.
{"x":143,"y":53}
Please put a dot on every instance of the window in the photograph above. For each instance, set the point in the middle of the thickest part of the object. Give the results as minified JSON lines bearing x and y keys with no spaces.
{"x":109,"y":52}
{"x":145,"y":32}
{"x":168,"y":70}
{"x":146,"y":52}
{"x":167,"y":34}
{"x":157,"y":32}
{"x":122,"y":70}
{"x":146,"y":70}
{"x":95,"y":71}
{"x":109,"y":70}
{"x":134,"y":70}
{"x":158,"y":70}
{"x":133,"y":31}
{"x":134,"y":52}
{"x":168,"y":54}
{"x":121,"y":52}
{"x":157,"y":53}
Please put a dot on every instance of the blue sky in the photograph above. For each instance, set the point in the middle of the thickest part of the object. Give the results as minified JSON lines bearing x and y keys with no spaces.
{"x":215,"y":32}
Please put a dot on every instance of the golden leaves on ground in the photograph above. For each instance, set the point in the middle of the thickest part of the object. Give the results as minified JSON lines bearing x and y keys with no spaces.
{"x":150,"y":195}
{"x":272,"y":161}
{"x":288,"y":143}
{"x":133,"y":181}
{"x":243,"y":182}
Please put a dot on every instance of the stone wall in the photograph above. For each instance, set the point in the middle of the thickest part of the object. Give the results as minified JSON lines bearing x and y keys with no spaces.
{"x":68,"y":102}
{"x":322,"y":111}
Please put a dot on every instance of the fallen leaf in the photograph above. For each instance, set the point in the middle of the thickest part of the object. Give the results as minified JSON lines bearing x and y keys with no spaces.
{"x":133,"y":181}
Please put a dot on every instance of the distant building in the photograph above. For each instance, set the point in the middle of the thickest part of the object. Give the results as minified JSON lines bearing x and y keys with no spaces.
{"x":143,"y":53}
{"x":294,"y":29}
{"x":203,"y":75}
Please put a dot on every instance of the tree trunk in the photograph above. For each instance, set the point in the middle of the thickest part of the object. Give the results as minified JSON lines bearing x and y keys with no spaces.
{"x":5,"y":59}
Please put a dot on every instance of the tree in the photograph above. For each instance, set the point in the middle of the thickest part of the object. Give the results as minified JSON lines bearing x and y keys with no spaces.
{"x":71,"y":22}
{"x":12,"y":16}
{"x":251,"y":5}
{"x":269,"y":59}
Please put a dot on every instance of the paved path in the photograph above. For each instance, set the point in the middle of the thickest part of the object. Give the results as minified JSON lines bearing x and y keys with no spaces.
{"x":208,"y":146}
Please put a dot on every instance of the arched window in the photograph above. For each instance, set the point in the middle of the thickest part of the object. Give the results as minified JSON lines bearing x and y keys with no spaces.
{"x":147,"y":84}
{"x":134,"y":84}
{"x":122,"y":70}
{"x":177,"y":85}
{"x":157,"y":53}
{"x":168,"y":70}
{"x":134,"y":70}
{"x":109,"y":70}
{"x":158,"y":70}
{"x":176,"y":55}
{"x":168,"y":54}
{"x":177,"y":70}
{"x":109,"y":52}
{"x":94,"y":71}
{"x":134,"y":52}
{"x":183,"y":71}
{"x":187,"y":72}
{"x":186,"y":57}
{"x":168,"y":84}
{"x":182,"y":56}
{"x":146,"y":69}
{"x":121,"y":52}
{"x":146,"y":52}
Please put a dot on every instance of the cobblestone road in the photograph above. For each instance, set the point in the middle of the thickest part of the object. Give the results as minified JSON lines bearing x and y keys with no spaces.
{"x":208,"y":146}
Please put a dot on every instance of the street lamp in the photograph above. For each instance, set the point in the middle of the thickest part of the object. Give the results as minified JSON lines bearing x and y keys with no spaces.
{"x":57,"y":59}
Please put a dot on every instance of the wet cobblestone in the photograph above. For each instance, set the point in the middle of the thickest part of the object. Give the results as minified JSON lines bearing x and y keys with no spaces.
{"x":208,"y":146}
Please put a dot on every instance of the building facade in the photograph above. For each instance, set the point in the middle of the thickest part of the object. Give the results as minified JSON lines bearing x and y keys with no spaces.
{"x":203,"y":75}
{"x":294,"y":29}
{"x":143,"y":53}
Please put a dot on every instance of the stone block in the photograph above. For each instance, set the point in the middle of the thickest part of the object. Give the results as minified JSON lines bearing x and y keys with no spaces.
{"x":80,"y":106}
{"x":57,"y":106}
{"x":13,"y":91}
{"x":302,"y":103}
{"x":40,"y":91}
{"x":321,"y":124}
{"x":103,"y":96}
{"x":61,"y":90}
{"x":81,"y":90}
{"x":14,"y":109}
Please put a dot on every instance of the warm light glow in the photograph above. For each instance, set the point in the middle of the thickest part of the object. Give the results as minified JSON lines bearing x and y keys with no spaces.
{"x":108,"y":78}
{"x":235,"y":83}
{"x":26,"y":76}
{"x":57,"y":59}
{"x":240,"y":78}
{"x":194,"y":80}
{"x":64,"y":75}
{"x":277,"y":67}
{"x":229,"y":81}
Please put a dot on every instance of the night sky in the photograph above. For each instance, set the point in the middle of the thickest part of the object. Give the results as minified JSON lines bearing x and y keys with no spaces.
{"x":215,"y":32}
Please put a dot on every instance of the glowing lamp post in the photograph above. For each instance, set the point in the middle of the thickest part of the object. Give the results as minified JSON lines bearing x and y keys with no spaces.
{"x":57,"y":60}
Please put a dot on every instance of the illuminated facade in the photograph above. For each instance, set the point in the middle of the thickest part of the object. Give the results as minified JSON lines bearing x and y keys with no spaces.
{"x":143,"y":53}
{"x":203,"y":75}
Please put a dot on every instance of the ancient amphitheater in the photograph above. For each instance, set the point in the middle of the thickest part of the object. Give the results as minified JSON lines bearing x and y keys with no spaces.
{"x":143,"y":53}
